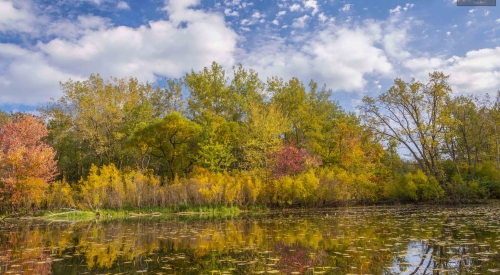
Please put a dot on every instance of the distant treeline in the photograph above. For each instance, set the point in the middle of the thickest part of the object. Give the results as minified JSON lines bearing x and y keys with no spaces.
{"x":214,"y":139}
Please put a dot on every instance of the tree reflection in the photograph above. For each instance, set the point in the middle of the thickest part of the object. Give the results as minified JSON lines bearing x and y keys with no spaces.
{"x":353,"y":241}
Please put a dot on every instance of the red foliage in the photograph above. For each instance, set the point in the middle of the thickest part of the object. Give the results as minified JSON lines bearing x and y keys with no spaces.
{"x":27,"y":162}
{"x":290,"y":161}
{"x":298,"y":259}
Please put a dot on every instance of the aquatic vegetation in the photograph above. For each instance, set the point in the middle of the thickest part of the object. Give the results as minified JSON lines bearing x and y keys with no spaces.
{"x":371,"y":240}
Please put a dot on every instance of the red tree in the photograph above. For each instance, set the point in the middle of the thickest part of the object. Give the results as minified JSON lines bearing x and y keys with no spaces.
{"x":290,"y":160}
{"x":27,"y":163}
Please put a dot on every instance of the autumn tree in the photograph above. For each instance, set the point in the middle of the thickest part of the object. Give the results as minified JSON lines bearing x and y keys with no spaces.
{"x":27,"y":163}
{"x":246,"y":88}
{"x":92,"y":121}
{"x":168,"y":99}
{"x":263,"y":134}
{"x":211,"y":91}
{"x":291,"y":100}
{"x":414,"y":115}
{"x":217,"y":142}
{"x":171,"y":140}
{"x":290,"y":160}
{"x":469,"y":131}
{"x":3,"y":117}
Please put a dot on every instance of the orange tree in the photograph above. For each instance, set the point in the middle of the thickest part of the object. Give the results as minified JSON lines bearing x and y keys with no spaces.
{"x":27,"y":163}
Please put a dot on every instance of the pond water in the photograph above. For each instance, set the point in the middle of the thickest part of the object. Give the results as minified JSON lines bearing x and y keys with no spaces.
{"x":372,"y":240}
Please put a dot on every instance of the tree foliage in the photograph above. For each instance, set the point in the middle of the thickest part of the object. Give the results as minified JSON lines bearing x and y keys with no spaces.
{"x":412,"y":113}
{"x":228,"y":138}
{"x":27,"y":164}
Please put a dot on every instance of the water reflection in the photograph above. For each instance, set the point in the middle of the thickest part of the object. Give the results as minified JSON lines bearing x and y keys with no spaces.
{"x":405,"y":240}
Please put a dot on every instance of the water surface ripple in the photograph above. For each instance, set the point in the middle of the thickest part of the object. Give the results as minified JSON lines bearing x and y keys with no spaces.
{"x":367,"y":240}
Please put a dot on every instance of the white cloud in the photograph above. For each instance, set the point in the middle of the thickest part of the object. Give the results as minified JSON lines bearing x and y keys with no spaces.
{"x":498,"y":21}
{"x":339,"y":56}
{"x":257,"y":15}
{"x":408,"y":6}
{"x":295,"y":7}
{"x":245,"y":4}
{"x":160,"y":48}
{"x":394,"y":43}
{"x":322,"y":17}
{"x":486,"y":13}
{"x":73,"y":29}
{"x":228,"y":12}
{"x":312,"y":4}
{"x":232,"y":3}
{"x":472,"y":10}
{"x":346,"y":7}
{"x":396,"y":10}
{"x":245,"y":22}
{"x":122,"y":5}
{"x":300,"y":22}
{"x":395,"y":36}
{"x":281,"y":13}
{"x":17,"y":16}
{"x":469,"y":23}
{"x":43,"y":78}
{"x":476,"y":72}
{"x":275,"y":22}
{"x":448,"y":33}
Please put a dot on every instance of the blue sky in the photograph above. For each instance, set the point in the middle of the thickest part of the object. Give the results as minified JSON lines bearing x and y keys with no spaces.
{"x":356,"y":48}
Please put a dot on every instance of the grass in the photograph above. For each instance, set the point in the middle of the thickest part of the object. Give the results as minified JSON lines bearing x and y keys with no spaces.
{"x":133,"y":212}
{"x":168,"y":210}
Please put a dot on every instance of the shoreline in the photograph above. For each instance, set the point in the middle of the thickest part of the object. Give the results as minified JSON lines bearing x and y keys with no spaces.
{"x":75,"y":215}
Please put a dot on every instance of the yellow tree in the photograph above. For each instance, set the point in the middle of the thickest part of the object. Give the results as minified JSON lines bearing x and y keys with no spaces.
{"x":264,"y":132}
{"x":92,"y":121}
{"x":414,"y":114}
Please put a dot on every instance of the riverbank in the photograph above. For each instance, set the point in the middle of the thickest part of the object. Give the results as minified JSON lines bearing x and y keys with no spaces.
{"x":68,"y":214}
{"x":76,"y":215}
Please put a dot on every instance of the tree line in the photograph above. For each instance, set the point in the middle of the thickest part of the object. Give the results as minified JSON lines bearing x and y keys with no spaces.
{"x":228,"y":138}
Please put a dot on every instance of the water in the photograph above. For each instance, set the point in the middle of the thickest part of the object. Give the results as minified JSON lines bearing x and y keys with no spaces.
{"x":387,"y":240}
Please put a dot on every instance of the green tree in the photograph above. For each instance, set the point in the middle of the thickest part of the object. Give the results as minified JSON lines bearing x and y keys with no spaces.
{"x":469,"y":131}
{"x":172,"y":140}
{"x":291,"y":100}
{"x":209,"y":92}
{"x":246,"y":89}
{"x":216,"y":143}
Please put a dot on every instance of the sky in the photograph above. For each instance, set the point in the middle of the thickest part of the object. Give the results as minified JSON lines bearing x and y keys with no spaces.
{"x":356,"y":48}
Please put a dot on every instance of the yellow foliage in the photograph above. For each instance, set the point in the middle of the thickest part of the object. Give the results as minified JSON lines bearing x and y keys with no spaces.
{"x":93,"y":190}
{"x":59,"y":195}
{"x":107,"y":186}
{"x":366,"y":190}
{"x":252,"y":186}
{"x":211,"y":187}
{"x":232,"y":190}
{"x":300,"y":189}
